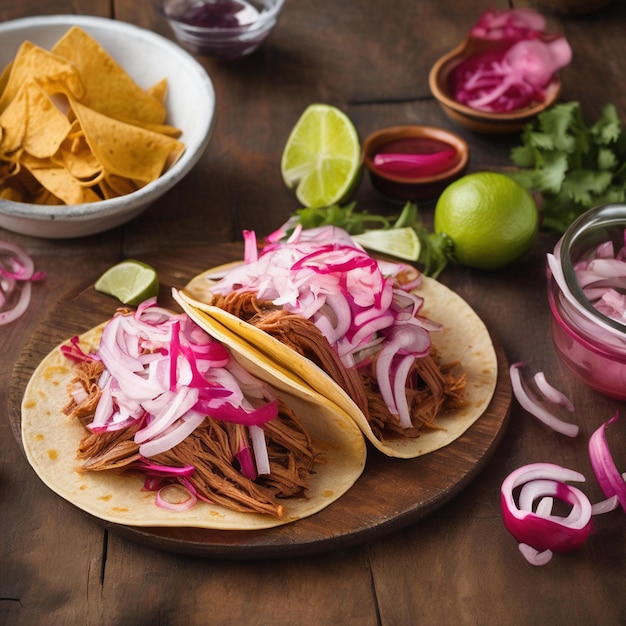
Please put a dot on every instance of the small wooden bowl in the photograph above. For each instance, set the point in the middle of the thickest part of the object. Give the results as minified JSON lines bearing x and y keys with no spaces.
{"x":472,"y":119}
{"x":420,"y":189}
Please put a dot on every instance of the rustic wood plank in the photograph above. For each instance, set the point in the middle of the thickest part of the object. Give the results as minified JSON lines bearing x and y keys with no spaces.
{"x":371,"y":59}
{"x":416,"y":486}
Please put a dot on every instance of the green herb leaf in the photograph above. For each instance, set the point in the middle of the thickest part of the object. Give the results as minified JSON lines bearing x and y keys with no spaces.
{"x":571,"y":165}
{"x":436,"y":249}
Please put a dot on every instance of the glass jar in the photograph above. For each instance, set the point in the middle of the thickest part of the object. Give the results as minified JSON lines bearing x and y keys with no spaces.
{"x":591,"y":344}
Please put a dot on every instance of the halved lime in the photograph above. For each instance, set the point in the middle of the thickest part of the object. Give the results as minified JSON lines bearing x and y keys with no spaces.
{"x":130,"y":281}
{"x":399,"y":242}
{"x":322,"y":157}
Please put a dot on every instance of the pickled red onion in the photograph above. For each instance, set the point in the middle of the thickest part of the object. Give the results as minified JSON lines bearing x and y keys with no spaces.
{"x":601,"y":275}
{"x":182,"y":505}
{"x":17,"y":272}
{"x":533,"y":405}
{"x":612,"y":483}
{"x":363,"y":306}
{"x":520,"y":63}
{"x":539,"y":533}
{"x":512,"y":24}
{"x":166,"y":375}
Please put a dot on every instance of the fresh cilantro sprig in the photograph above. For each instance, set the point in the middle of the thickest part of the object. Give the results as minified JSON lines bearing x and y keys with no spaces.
{"x":353,"y":222}
{"x":571,"y":165}
{"x":435,"y":249}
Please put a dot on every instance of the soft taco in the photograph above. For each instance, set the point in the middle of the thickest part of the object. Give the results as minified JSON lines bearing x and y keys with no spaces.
{"x":405,"y":356}
{"x":146,"y":420}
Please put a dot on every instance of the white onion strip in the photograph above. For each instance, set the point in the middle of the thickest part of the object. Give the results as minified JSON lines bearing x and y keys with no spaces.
{"x":531,"y":404}
{"x":551,"y":393}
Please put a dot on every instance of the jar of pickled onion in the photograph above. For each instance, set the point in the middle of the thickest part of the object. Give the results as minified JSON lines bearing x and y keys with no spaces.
{"x":587,"y":298}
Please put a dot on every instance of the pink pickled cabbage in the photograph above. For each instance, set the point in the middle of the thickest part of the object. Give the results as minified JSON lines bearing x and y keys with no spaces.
{"x":163,"y":372}
{"x":363,"y":306}
{"x":515,"y":72}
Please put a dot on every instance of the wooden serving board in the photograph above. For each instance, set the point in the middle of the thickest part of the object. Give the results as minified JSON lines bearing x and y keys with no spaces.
{"x":390,"y":494}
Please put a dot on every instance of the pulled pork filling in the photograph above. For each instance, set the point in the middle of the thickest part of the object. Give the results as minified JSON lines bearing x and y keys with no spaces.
{"x":433,"y":387}
{"x":211,"y":449}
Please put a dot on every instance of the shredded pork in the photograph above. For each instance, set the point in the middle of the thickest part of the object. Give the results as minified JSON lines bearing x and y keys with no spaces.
{"x":211,"y":449}
{"x":432,"y":388}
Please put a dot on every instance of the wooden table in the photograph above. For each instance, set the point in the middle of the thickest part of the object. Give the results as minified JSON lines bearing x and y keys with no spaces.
{"x":458,"y":564}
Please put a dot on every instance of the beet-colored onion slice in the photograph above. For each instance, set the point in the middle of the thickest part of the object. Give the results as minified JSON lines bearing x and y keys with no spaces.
{"x":608,"y":476}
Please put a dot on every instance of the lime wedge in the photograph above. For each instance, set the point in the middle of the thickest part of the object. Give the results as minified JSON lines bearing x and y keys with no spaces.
{"x":399,"y":242}
{"x":130,"y":281}
{"x":322,"y":157}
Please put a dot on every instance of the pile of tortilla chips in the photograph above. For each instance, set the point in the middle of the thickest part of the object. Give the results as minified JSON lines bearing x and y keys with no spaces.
{"x":75,"y":127}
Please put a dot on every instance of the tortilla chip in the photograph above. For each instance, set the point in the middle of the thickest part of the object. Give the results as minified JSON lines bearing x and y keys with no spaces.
{"x":125,"y":149}
{"x":59,"y":182}
{"x":464,"y":337}
{"x":86,"y":120}
{"x":52,"y":73}
{"x":32,"y":123}
{"x":108,"y":87}
{"x":113,"y":186}
{"x":51,"y":441}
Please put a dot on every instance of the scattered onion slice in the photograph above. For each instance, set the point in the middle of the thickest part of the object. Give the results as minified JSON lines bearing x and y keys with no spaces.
{"x":16,"y":275}
{"x":612,"y":483}
{"x":532,"y":404}
{"x":541,"y":532}
{"x":551,"y":393}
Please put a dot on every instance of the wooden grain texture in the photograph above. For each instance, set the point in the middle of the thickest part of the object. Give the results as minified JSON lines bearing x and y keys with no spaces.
{"x":390,"y":494}
{"x":458,"y":565}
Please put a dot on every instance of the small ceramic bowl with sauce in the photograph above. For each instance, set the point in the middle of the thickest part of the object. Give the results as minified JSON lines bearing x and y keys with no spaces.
{"x":414,"y":163}
{"x":591,"y":343}
{"x":476,"y":120}
{"x":223,"y":29}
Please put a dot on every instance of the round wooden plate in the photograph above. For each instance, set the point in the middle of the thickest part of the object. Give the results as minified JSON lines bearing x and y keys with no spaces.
{"x":391,"y":493}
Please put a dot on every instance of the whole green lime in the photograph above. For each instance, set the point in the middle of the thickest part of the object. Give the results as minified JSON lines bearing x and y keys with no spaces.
{"x":490,"y":218}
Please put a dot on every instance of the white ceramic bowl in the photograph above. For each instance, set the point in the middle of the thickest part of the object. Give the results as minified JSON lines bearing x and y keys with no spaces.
{"x":148,"y":58}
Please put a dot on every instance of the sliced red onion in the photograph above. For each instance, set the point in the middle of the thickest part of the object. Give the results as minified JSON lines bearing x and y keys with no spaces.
{"x":17,"y":273}
{"x":357,"y":302}
{"x":166,"y":470}
{"x":551,"y":393}
{"x":513,"y":74}
{"x":535,"y":557}
{"x":539,"y":531}
{"x":415,"y":165}
{"x":257,"y":435}
{"x":605,"y":506}
{"x":601,"y":275}
{"x":164,"y":373}
{"x":408,"y":339}
{"x":532,"y":404}
{"x":164,"y":499}
{"x":511,"y":24}
{"x":612,"y":483}
{"x":246,"y":463}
